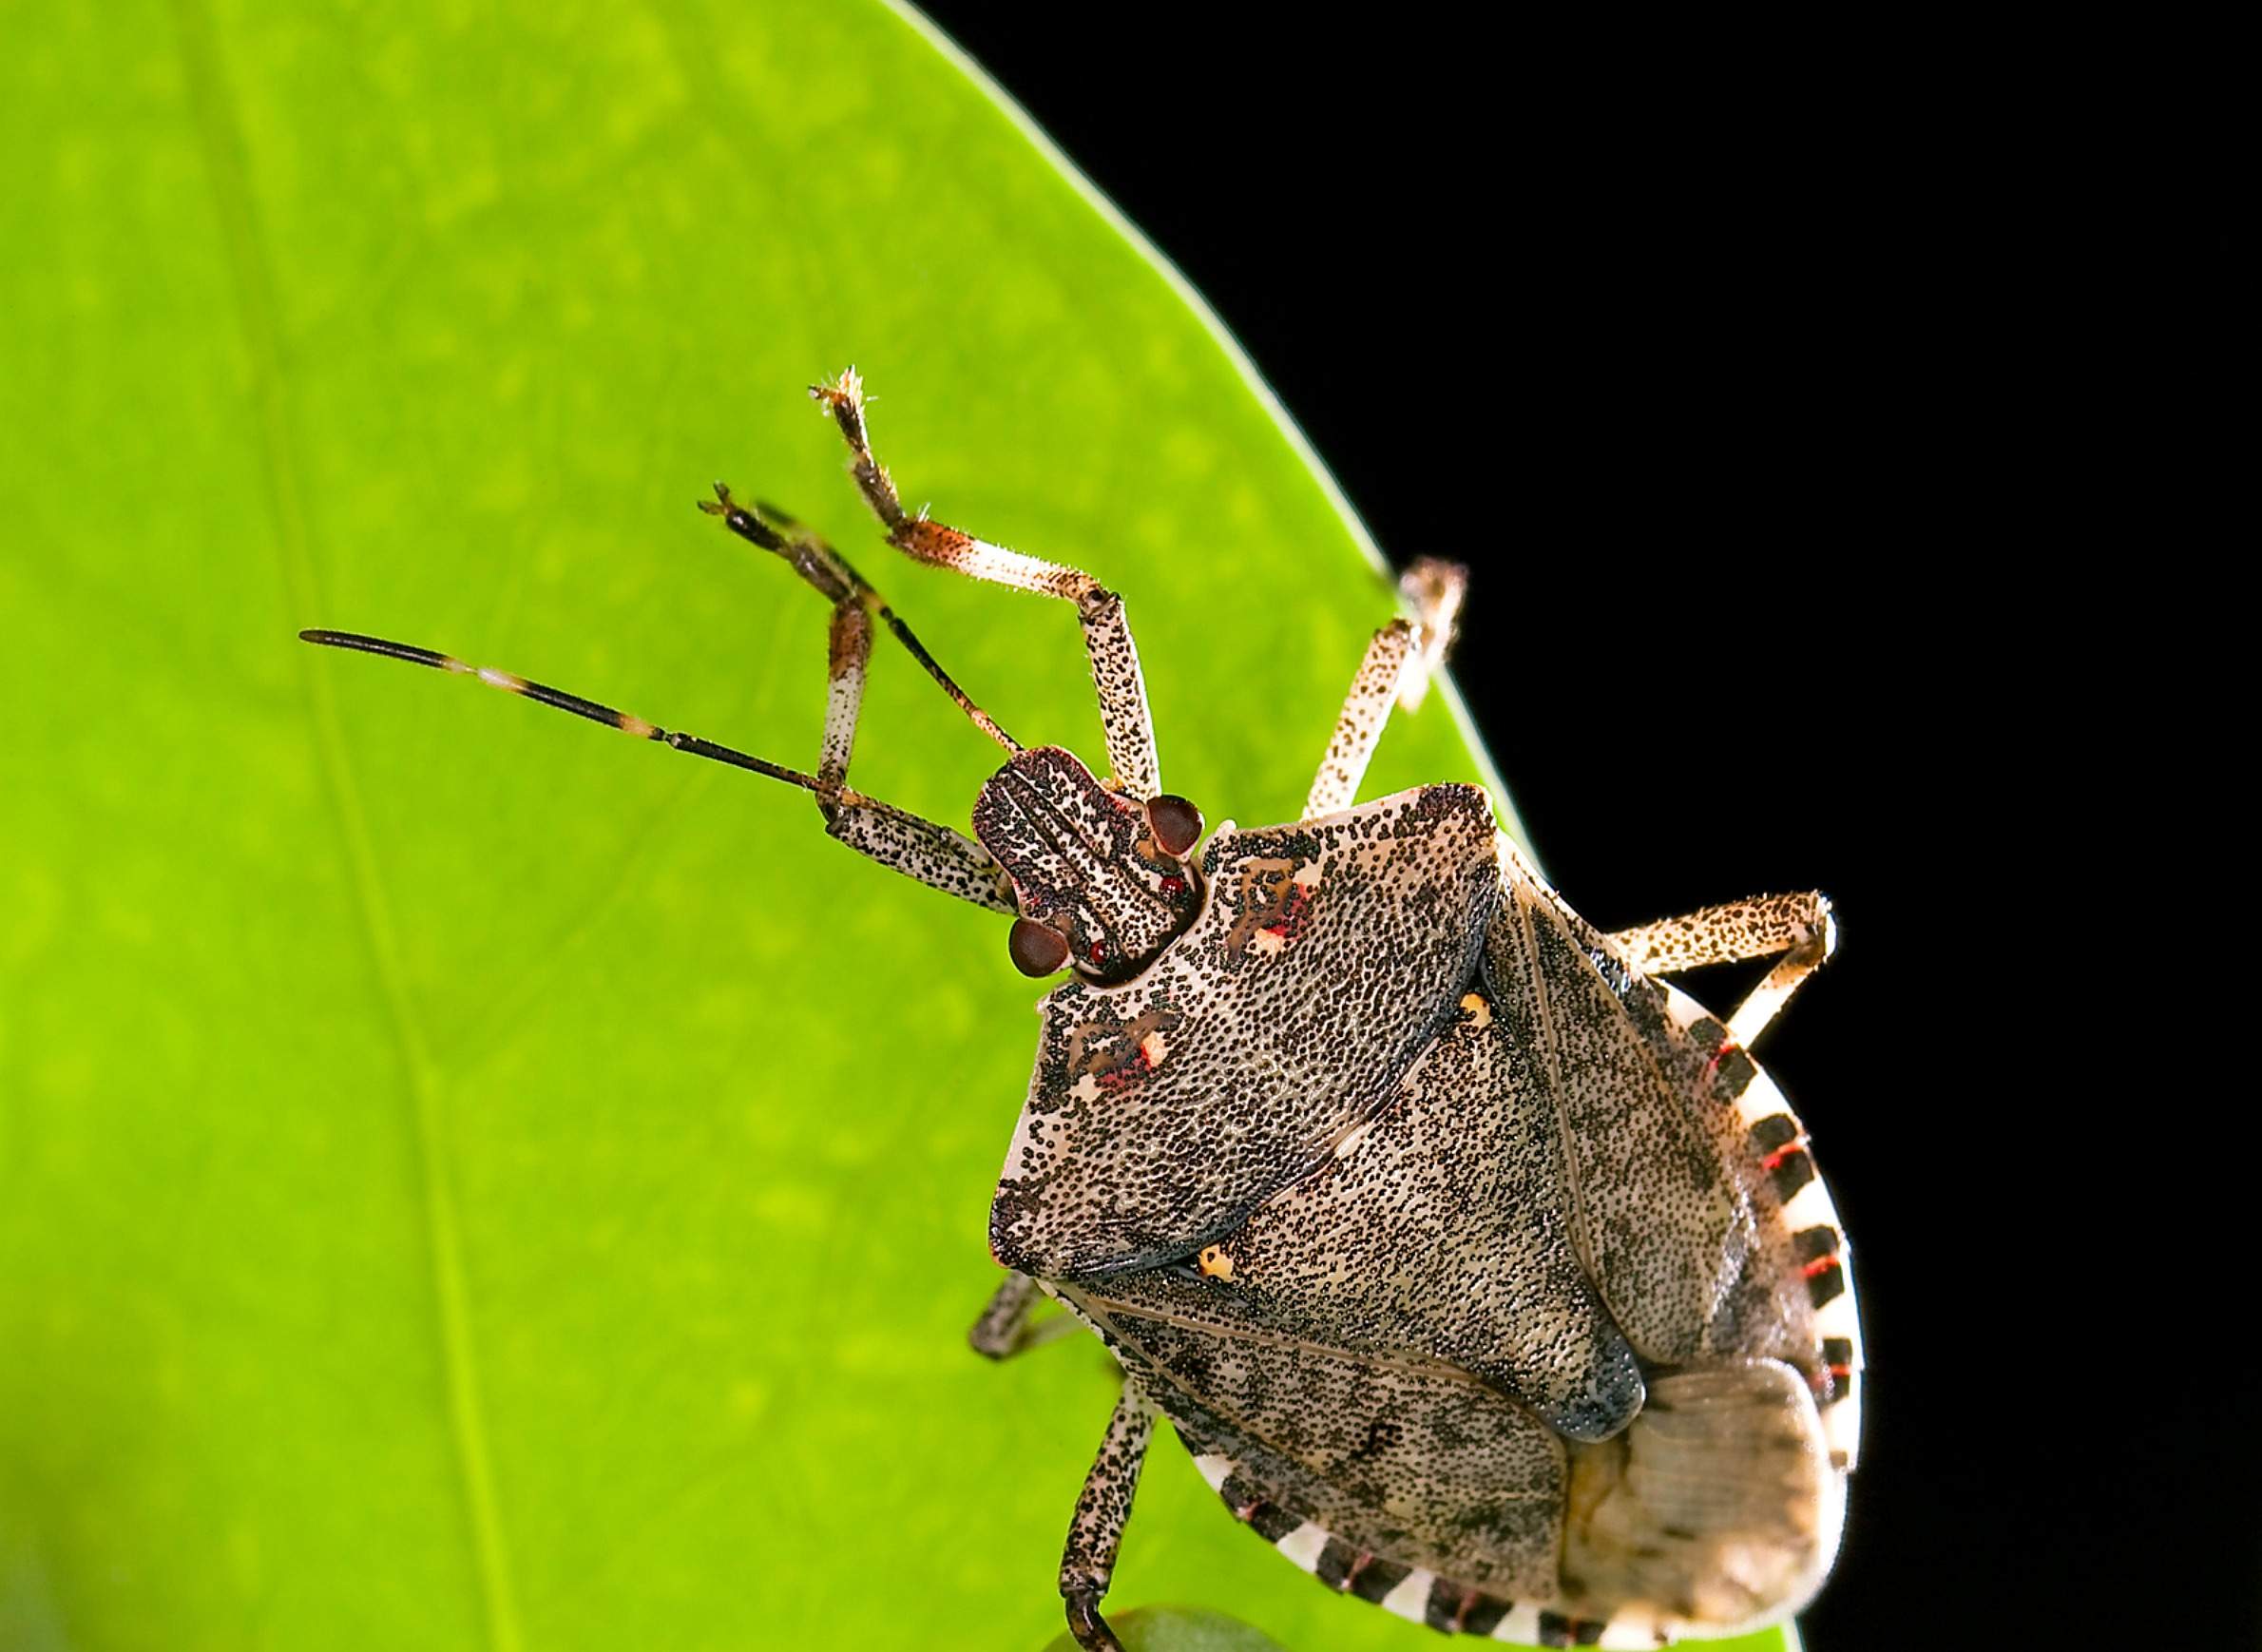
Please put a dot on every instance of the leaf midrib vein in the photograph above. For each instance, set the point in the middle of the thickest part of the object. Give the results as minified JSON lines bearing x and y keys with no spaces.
{"x":214,"y":109}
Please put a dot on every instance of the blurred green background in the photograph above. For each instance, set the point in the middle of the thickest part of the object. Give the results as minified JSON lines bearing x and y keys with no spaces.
{"x":466,"y":1180}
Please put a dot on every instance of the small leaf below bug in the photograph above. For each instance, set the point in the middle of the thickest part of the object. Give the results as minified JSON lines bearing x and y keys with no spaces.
{"x":1179,"y":1629}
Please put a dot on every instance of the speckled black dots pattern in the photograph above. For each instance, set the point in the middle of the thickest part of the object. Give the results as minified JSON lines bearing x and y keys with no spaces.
{"x":1456,"y":1479}
{"x":1767,"y":1306}
{"x":1499,"y":1279}
{"x":934,"y":854}
{"x":1662,"y":1224}
{"x":1438,"y":1230}
{"x":1360,"y":723}
{"x":1395,"y":1184}
{"x":1107,"y":634}
{"x":1083,"y":859}
{"x":1097,"y":1528}
{"x":1756,"y":928}
{"x":1124,"y":715}
{"x":1326,"y":958}
{"x":1552,"y":1257}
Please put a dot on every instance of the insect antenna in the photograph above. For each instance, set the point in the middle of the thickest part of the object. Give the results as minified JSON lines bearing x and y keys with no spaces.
{"x":558,"y":698}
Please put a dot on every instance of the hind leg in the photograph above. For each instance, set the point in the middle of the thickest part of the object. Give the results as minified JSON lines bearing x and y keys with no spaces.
{"x":1087,"y":1563}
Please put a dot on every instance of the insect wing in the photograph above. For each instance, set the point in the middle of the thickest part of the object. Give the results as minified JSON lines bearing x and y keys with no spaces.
{"x":1436,"y":1230}
{"x":1405,"y":1458}
{"x":1663,"y":1227}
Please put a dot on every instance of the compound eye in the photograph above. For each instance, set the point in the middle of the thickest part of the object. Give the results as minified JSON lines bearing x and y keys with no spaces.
{"x":1036,"y":948}
{"x":1176,"y":823}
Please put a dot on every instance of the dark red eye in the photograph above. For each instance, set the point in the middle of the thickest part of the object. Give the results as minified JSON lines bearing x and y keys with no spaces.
{"x":1176,"y":824}
{"x":1036,"y":948}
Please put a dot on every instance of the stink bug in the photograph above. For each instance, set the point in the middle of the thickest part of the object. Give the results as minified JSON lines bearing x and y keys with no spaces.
{"x":1486,"y":1276}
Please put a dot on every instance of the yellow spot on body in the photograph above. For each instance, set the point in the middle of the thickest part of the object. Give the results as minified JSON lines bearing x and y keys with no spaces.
{"x":488,"y":675}
{"x":1268,"y":942}
{"x":637,"y":727}
{"x":1153,"y":1048}
{"x":1476,"y":1005}
{"x":1216,"y":1263}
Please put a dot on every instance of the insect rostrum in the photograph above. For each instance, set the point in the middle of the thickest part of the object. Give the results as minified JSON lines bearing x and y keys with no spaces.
{"x":1484,"y":1274}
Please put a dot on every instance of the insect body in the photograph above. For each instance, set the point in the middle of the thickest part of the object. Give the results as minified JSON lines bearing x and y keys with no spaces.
{"x":1484,"y":1274}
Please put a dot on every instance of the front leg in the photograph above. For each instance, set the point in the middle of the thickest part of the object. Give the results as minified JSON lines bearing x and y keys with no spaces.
{"x":1097,"y":1531}
{"x":1123,"y":714}
{"x":1396,"y":669}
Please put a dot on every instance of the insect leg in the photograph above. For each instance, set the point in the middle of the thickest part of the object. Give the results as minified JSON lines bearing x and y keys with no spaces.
{"x":937,"y":856}
{"x":1097,"y":1531}
{"x":1106,"y":632}
{"x":1007,"y":1326}
{"x":1366,"y":708}
{"x":828,"y":572}
{"x":1434,"y":590}
{"x":1397,"y":666}
{"x":1800,"y":927}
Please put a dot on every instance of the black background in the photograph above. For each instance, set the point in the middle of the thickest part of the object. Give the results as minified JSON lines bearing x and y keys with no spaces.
{"x":1722,"y":362}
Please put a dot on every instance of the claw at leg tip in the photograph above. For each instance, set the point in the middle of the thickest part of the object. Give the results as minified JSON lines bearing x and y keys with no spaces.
{"x":846,"y":391}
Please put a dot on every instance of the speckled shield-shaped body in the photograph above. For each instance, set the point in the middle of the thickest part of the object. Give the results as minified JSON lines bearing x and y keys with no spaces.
{"x":1482,"y":1274}
{"x":1486,"y":1276}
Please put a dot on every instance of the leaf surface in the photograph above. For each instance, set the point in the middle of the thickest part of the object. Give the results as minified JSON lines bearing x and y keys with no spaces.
{"x":466,"y":1180}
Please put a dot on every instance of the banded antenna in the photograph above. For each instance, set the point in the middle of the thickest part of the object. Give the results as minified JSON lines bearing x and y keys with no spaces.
{"x":542,"y":693}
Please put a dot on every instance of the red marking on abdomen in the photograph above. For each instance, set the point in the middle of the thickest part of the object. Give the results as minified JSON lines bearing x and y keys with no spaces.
{"x":1796,"y":1144}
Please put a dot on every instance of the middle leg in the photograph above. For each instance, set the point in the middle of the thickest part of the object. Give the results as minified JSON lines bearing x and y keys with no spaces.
{"x":1096,"y":1533}
{"x":1008,"y":1326}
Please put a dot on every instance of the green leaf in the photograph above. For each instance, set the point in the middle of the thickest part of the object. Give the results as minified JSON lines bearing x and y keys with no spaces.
{"x":466,"y":1180}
